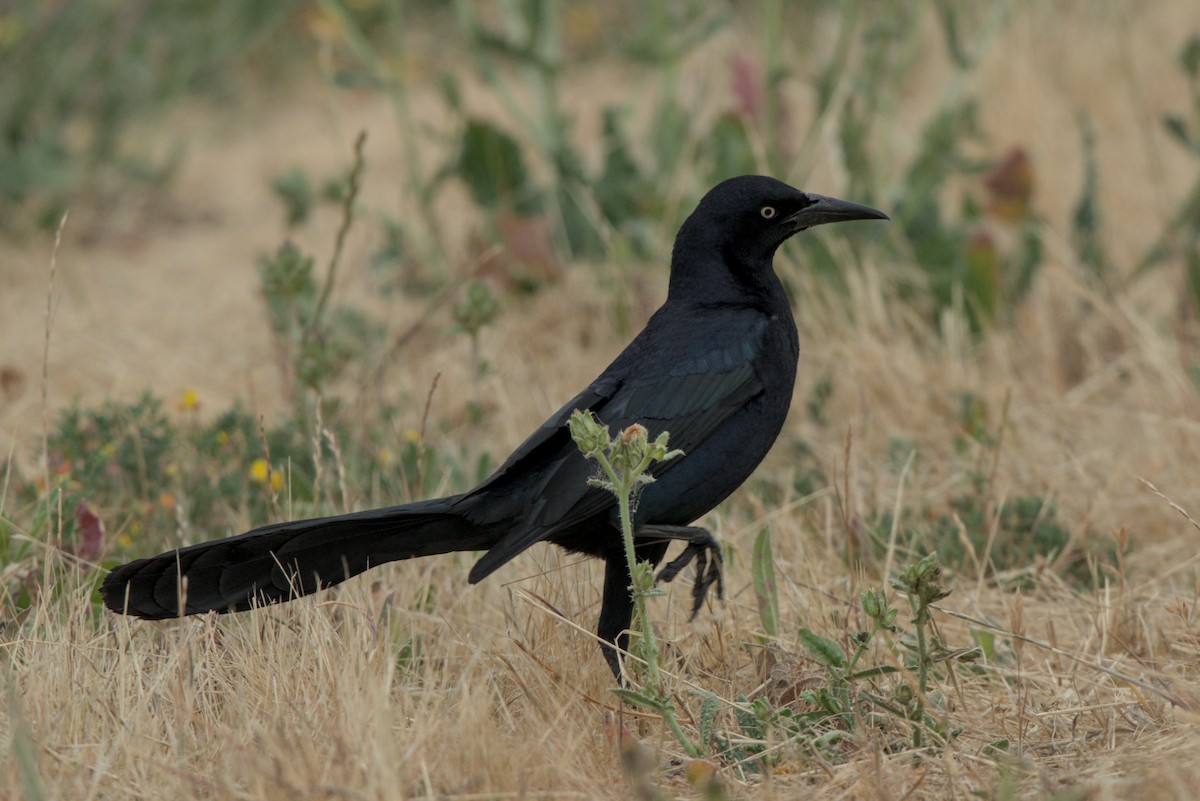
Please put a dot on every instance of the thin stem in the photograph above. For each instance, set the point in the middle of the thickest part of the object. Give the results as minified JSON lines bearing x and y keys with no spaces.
{"x":623,"y":484}
{"x":347,"y":218}
{"x":862,"y":648}
{"x":919,"y":619}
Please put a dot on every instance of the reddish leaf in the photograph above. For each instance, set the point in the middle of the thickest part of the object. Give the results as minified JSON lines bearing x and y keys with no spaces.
{"x":1010,"y":185}
{"x":91,"y":532}
{"x":748,"y":91}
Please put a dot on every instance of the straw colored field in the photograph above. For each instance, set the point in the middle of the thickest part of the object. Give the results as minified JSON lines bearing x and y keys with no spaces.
{"x":407,"y":683}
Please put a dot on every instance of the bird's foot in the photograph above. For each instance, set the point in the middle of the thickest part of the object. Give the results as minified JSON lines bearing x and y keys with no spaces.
{"x":703,"y":548}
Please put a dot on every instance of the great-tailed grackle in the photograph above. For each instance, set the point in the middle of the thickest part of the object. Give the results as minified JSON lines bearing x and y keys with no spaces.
{"x":714,"y":366}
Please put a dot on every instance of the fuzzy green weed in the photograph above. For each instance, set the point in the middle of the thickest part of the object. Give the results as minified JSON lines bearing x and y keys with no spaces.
{"x":625,"y":461}
{"x":831,"y":718}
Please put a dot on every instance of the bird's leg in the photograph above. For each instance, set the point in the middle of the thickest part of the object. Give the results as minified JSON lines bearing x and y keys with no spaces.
{"x":616,"y":612}
{"x":701,"y":545}
{"x":616,"y":606}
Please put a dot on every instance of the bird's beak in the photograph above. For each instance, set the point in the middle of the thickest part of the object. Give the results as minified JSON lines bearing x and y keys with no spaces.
{"x":829,"y":210}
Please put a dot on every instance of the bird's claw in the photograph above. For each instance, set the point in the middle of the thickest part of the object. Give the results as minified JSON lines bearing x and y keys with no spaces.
{"x":708,"y":571}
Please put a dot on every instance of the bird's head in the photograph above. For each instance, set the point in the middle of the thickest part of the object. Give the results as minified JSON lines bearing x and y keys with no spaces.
{"x":746,"y":219}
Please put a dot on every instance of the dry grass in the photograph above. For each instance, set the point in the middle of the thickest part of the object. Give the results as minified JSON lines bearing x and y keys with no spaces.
{"x":313,"y":700}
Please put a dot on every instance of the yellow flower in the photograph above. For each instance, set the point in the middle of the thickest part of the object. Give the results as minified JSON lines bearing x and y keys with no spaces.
{"x":412,"y":435}
{"x":385,"y":456}
{"x":259,"y":470}
{"x":222,"y":437}
{"x":189,"y":401}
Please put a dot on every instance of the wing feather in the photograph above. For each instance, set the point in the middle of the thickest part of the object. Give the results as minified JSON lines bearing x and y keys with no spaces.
{"x":691,"y":401}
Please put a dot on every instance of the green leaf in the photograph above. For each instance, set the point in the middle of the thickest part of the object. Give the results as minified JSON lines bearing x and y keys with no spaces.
{"x":640,"y":699}
{"x":491,"y":165}
{"x":1189,"y":57}
{"x":451,"y":93}
{"x":832,"y":739}
{"x":822,"y":649}
{"x":673,"y":125}
{"x":826,"y":701}
{"x":729,"y":145}
{"x":1177,"y":127}
{"x":708,"y":716}
{"x":296,"y":193}
{"x":986,"y":641}
{"x":748,"y":722}
{"x":996,"y":748}
{"x":622,"y":191}
{"x":765,"y":591}
{"x":1086,"y":223}
{"x":875,"y":672}
{"x":477,"y":310}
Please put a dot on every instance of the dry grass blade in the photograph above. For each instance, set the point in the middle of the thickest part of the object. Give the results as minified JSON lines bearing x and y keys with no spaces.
{"x":1174,"y":700}
{"x":1171,"y":503}
{"x":45,"y":404}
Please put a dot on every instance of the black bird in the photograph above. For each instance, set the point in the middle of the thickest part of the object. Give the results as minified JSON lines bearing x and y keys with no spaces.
{"x":715,"y":367}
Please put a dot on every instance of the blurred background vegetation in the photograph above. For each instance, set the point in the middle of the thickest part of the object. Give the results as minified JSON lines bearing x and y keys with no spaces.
{"x":86,"y":83}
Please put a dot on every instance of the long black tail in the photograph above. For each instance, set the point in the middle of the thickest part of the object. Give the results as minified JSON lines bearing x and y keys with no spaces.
{"x":286,"y":560}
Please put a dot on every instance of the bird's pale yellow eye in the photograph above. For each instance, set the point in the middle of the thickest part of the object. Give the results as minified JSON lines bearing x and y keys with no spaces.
{"x":767,"y":212}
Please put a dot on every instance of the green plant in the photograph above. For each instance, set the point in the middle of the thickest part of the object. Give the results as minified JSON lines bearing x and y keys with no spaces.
{"x":117,"y":449}
{"x":625,"y":460}
{"x":765,"y":591}
{"x":472,"y":315}
{"x":922,"y":585}
{"x":126,"y":479}
{"x":519,"y":56}
{"x":91,"y":72}
{"x":586,"y":208}
{"x":952,"y":250}
{"x":1012,"y":538}
{"x":851,"y":696}
{"x":525,"y":172}
{"x":295,"y":191}
{"x":315,"y":341}
{"x":1086,"y":223}
{"x":1181,"y":235}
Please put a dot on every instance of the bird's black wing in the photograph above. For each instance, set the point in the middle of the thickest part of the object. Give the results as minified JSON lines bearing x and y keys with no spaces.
{"x":691,"y":400}
{"x":546,"y":446}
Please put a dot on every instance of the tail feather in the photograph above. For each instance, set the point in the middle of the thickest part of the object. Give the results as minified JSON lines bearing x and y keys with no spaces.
{"x":283,"y":561}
